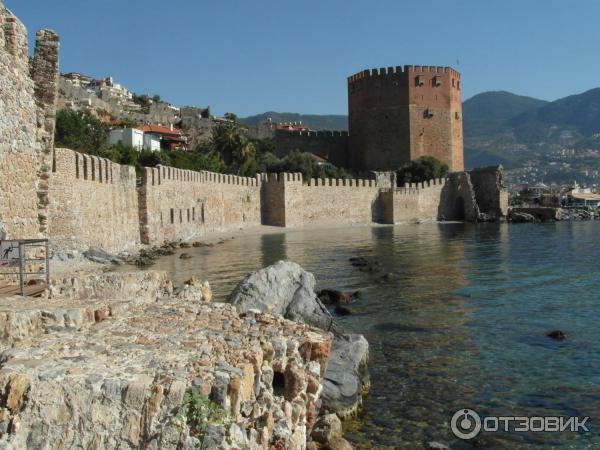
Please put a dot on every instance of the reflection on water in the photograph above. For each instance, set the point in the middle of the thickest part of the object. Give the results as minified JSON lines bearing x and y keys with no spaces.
{"x":459,"y":321}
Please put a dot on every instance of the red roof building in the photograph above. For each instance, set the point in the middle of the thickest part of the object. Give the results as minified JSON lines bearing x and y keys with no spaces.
{"x":170,"y":138}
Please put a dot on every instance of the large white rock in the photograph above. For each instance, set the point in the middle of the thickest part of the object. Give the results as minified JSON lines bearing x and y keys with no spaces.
{"x":286,"y":289}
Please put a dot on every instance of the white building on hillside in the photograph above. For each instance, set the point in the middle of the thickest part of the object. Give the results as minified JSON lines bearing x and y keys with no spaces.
{"x":151,"y":142}
{"x":135,"y":138}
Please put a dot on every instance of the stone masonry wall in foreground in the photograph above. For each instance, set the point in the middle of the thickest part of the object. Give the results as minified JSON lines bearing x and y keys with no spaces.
{"x":18,"y":132}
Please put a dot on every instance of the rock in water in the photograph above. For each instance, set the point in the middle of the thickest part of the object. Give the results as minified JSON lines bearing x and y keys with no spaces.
{"x":286,"y":289}
{"x":333,"y":297}
{"x":522,"y":217}
{"x":102,"y":256}
{"x":557,"y":335}
{"x":343,"y":311}
{"x":326,"y":428}
{"x":347,"y":375}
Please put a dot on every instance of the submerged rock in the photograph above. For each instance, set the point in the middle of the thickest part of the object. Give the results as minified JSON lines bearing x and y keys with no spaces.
{"x":557,"y":335}
{"x":334,"y":297}
{"x":347,"y":375}
{"x":343,"y":311}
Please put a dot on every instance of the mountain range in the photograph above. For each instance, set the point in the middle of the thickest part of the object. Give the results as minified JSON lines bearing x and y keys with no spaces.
{"x":501,"y":127}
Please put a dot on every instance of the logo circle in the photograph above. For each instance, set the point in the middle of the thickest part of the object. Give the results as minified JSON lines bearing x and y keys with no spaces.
{"x":465,"y":424}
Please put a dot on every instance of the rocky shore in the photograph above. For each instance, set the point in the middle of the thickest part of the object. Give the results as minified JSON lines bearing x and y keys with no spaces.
{"x":125,"y":360}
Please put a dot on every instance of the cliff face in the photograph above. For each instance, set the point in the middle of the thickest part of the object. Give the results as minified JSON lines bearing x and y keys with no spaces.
{"x":121,"y":361}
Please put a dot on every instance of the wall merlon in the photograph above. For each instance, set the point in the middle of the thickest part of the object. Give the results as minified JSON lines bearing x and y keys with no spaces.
{"x":15,"y":38}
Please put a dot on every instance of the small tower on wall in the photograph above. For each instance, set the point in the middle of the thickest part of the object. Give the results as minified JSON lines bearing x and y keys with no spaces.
{"x":398,"y":114}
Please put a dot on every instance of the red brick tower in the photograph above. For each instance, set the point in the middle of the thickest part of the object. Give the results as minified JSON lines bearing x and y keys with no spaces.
{"x":399,"y":114}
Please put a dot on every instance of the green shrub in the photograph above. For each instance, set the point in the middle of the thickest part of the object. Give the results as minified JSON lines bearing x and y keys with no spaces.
{"x":422,"y":169}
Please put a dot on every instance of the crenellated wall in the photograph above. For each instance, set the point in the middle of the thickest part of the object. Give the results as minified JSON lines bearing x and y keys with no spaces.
{"x":92,"y":202}
{"x":339,"y":201}
{"x":79,"y":200}
{"x":413,"y":202}
{"x":182,"y":204}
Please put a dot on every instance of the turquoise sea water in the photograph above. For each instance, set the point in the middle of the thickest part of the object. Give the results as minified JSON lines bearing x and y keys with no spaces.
{"x":460,"y":322}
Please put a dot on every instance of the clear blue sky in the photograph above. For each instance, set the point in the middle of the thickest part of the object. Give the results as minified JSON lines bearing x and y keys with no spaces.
{"x":253,"y":56}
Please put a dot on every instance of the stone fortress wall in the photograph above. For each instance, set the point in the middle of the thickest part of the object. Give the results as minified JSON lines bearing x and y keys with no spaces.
{"x":181,"y":204}
{"x":92,"y":201}
{"x":80,"y":201}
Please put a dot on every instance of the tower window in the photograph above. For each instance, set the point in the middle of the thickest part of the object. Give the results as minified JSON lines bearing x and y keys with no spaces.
{"x":437,"y":81}
{"x":419,"y":80}
{"x":456,"y":115}
{"x":428,"y":113}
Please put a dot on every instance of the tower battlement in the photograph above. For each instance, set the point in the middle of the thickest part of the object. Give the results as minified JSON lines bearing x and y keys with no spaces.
{"x":407,"y":69}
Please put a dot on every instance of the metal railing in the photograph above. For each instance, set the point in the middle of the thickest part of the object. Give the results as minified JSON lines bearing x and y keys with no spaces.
{"x":14,"y":256}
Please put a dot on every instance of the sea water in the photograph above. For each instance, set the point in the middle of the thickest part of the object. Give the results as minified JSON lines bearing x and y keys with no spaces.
{"x":456,"y":316}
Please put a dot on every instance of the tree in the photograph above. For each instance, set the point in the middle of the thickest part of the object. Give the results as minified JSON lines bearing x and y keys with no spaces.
{"x":156,"y":98}
{"x":80,"y":131}
{"x":236,"y":150}
{"x":422,"y":169}
{"x":230,"y":116}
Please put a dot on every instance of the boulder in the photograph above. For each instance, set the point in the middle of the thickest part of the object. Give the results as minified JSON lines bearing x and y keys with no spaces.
{"x":521,"y":217}
{"x":347,"y":377}
{"x":327,"y":428}
{"x":285,"y":289}
{"x":337,"y":443}
{"x":102,"y":256}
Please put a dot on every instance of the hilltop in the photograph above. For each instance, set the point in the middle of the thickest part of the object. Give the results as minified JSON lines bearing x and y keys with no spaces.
{"x":313,"y":121}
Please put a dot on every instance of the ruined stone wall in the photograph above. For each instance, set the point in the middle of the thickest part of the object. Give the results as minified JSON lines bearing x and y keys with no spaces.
{"x":262,"y":371}
{"x":182,"y":204}
{"x":27,"y":99}
{"x":92,"y":202}
{"x":18,"y":133}
{"x":490,"y":192}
